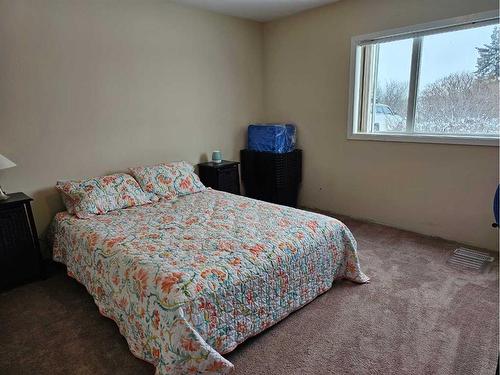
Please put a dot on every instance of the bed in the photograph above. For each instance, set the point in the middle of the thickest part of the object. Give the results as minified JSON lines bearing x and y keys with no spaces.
{"x":187,"y":280}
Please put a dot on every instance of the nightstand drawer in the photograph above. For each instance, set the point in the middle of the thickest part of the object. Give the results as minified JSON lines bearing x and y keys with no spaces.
{"x":14,"y":230}
{"x":222,"y":176}
{"x":229,"y":179}
{"x":19,"y":250}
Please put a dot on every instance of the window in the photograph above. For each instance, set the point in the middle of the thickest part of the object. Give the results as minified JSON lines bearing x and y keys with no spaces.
{"x":437,"y":82}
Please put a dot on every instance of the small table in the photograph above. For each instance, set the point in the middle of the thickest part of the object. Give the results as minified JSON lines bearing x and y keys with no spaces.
{"x":20,"y":258}
{"x":222,"y":176}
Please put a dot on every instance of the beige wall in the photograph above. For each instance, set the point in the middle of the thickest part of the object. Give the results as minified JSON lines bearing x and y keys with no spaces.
{"x":89,"y":87}
{"x":441,"y":190}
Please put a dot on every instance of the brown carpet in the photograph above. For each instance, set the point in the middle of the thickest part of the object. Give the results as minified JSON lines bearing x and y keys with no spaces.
{"x":417,"y":316}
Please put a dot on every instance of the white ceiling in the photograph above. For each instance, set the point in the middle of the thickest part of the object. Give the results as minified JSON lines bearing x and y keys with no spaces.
{"x":258,"y":10}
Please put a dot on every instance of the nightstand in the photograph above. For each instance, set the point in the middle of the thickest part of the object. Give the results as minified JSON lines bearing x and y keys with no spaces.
{"x":20,"y":258}
{"x":223,"y":176}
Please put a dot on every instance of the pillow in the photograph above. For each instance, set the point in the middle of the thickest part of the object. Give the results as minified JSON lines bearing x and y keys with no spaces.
{"x":168,"y":180}
{"x":102,"y":194}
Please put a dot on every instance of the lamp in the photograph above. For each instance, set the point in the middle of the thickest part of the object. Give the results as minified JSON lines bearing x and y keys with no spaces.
{"x":4,"y":164}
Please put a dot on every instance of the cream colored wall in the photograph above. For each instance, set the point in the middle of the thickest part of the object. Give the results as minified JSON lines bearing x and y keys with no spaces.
{"x":92,"y":87}
{"x":441,"y":190}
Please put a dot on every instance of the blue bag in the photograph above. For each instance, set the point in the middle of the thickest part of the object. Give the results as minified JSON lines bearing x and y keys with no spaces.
{"x":277,"y":138}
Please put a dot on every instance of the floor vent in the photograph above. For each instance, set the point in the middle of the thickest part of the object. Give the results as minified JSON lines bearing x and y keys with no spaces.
{"x":470,"y":259}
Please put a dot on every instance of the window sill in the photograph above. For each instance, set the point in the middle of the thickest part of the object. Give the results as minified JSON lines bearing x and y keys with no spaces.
{"x":425,"y":138}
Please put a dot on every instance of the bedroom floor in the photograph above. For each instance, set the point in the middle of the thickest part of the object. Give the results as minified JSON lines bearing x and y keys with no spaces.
{"x":417,"y":316}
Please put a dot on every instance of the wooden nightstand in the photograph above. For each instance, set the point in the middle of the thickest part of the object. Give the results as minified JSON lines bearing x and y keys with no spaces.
{"x":223,"y":176}
{"x":20,"y":259}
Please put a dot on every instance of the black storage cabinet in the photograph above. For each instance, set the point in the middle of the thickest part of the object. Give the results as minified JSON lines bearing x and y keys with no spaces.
{"x":272,"y":177}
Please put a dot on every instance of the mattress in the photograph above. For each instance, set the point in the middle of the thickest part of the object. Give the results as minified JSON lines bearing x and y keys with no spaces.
{"x":188,"y":280}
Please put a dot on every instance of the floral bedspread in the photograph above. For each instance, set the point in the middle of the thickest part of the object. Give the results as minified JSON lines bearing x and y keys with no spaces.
{"x":190,"y":279}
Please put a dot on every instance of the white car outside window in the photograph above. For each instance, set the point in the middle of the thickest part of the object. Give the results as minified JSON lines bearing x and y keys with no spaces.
{"x":386,"y":120}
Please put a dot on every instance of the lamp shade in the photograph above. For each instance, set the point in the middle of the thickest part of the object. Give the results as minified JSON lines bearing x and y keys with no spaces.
{"x":6,"y":163}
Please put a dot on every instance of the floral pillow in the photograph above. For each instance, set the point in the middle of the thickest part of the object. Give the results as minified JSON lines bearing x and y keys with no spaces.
{"x":102,"y":194}
{"x":168,"y":180}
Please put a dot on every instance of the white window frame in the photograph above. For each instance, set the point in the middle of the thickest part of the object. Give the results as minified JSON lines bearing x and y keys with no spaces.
{"x":356,"y":100}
